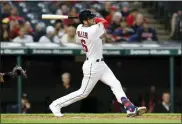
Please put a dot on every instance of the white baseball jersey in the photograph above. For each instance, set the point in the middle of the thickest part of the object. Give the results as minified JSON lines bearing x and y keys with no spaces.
{"x":92,"y":70}
{"x":90,"y":39}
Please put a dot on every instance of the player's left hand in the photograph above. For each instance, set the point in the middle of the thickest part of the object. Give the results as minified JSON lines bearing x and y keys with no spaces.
{"x":17,"y":71}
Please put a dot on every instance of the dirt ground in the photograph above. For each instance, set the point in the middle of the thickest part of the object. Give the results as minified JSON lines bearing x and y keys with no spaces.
{"x":167,"y":117}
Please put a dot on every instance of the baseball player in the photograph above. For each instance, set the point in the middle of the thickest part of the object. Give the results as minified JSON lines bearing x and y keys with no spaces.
{"x":89,"y":33}
{"x":17,"y":70}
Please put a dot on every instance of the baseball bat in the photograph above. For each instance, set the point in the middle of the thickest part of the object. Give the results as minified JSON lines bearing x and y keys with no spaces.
{"x":54,"y":17}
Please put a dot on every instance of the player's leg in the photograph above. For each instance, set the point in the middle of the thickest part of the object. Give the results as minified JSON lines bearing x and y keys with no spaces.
{"x":89,"y":81}
{"x":109,"y":78}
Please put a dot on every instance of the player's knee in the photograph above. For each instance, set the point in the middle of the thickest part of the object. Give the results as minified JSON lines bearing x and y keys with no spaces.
{"x":84,"y":95}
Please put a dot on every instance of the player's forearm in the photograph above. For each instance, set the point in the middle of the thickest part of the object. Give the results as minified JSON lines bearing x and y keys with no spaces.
{"x":102,"y":20}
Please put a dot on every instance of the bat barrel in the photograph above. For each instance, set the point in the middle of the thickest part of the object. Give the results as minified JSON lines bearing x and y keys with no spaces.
{"x":54,"y":17}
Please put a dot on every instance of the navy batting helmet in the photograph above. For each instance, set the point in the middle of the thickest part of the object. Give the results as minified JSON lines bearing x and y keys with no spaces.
{"x":85,"y":15}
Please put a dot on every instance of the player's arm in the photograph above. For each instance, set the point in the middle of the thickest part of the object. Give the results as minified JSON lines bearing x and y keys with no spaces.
{"x":101,"y":20}
{"x":101,"y":24}
{"x":4,"y":77}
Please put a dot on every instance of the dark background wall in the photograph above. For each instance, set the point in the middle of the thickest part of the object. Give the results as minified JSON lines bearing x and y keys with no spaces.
{"x":137,"y":74}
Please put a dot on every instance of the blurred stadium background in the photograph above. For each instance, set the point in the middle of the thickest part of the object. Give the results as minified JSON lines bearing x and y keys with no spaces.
{"x":142,"y":46}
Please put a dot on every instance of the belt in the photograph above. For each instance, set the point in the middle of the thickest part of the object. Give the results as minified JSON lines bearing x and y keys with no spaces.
{"x":98,"y":60}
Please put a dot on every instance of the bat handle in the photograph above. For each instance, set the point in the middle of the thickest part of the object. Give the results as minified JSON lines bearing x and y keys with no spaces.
{"x":72,"y":17}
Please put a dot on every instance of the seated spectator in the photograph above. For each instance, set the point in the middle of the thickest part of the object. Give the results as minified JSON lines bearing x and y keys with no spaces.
{"x":39,"y":31}
{"x":6,"y":8}
{"x":65,"y":77}
{"x":131,"y":17}
{"x":25,"y":103}
{"x":5,"y":30}
{"x":74,"y":13}
{"x":15,"y":20}
{"x":125,"y":9}
{"x":23,"y":37}
{"x":63,"y":10}
{"x":48,"y":38}
{"x":124,"y":32}
{"x":116,"y":19}
{"x":59,"y":31}
{"x":138,"y":22}
{"x":113,"y":9}
{"x":28,"y":28}
{"x":106,"y":10}
{"x":147,"y":33}
{"x":149,"y":99}
{"x":163,"y":107}
{"x":70,"y":36}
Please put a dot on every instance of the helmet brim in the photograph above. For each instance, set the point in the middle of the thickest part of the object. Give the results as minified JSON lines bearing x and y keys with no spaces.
{"x":92,"y":16}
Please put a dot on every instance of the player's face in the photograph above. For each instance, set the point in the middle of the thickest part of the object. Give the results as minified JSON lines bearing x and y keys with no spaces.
{"x":91,"y":21}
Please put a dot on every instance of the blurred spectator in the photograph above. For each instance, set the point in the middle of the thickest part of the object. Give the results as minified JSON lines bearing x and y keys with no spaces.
{"x":113,"y":9}
{"x":149,"y":99}
{"x":124,"y":32}
{"x":48,"y":38}
{"x":23,"y":37}
{"x":59,"y":31}
{"x":106,"y":10}
{"x":74,"y":13}
{"x":147,"y":33}
{"x":5,"y":10}
{"x":28,"y":28}
{"x":165,"y":106}
{"x":66,"y":82}
{"x":66,"y":79}
{"x":39,"y":31}
{"x":5,"y":30}
{"x":70,"y":36}
{"x":15,"y":21}
{"x":131,"y":17}
{"x":138,"y":22}
{"x":116,"y":19}
{"x":125,"y":9}
{"x":176,"y":26}
{"x":63,"y":10}
{"x":25,"y":103}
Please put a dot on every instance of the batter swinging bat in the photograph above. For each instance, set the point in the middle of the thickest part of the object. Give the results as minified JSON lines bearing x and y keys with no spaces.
{"x":54,"y":17}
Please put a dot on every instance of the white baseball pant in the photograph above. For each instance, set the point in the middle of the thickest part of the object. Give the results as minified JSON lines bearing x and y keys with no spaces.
{"x":93,"y":71}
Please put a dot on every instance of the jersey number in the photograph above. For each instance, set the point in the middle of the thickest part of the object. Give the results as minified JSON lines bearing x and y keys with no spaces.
{"x":84,"y":45}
